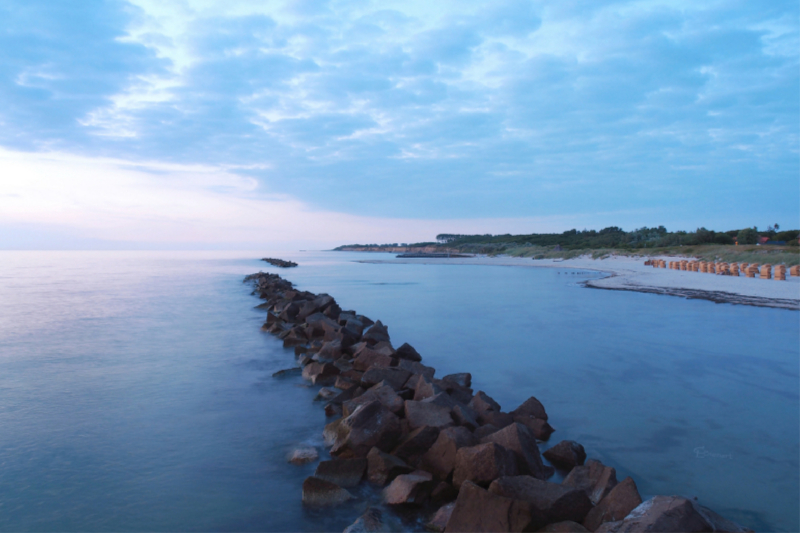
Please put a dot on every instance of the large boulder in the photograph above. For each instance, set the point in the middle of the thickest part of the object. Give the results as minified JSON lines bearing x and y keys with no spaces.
{"x":483,"y":463}
{"x":318,"y":492}
{"x":521,"y":441}
{"x":393,"y":376}
{"x":555,"y":502}
{"x":368,"y":358}
{"x":465,"y":416}
{"x":495,"y":418}
{"x":482,"y":402}
{"x":407,"y":352}
{"x":381,"y":393}
{"x":620,"y":501}
{"x":541,"y":429}
{"x":462,"y":379}
{"x":440,"y":459}
{"x":302,"y":455}
{"x":369,"y":522}
{"x":416,"y":368}
{"x":409,"y":489}
{"x":321,"y":373}
{"x":594,"y":478}
{"x":566,"y":455}
{"x":343,"y":472}
{"x":425,"y":388}
{"x":663,"y":513}
{"x":440,"y":518}
{"x":476,"y":509}
{"x":383,"y":467}
{"x":531,"y":407}
{"x":421,"y":414}
{"x":416,"y":443}
{"x":377,"y":333}
{"x":370,"y":425}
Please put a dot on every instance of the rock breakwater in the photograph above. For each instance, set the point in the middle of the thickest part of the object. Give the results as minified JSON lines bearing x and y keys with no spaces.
{"x":279,"y":262}
{"x":440,"y":450}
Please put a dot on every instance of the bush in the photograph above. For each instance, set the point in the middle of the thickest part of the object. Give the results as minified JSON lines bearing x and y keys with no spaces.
{"x":747,"y":236}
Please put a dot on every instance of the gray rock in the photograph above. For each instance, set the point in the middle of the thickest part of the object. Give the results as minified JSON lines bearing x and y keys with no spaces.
{"x":369,"y":522}
{"x":318,"y":493}
{"x":383,"y":467}
{"x":555,"y":502}
{"x":370,"y":425}
{"x":566,"y":455}
{"x":531,"y":407}
{"x":343,"y":472}
{"x":407,"y":352}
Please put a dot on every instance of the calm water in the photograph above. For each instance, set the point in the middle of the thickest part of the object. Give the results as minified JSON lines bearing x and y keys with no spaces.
{"x":135,"y":388}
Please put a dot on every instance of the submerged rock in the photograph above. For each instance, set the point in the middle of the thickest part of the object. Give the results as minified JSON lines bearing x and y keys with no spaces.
{"x":318,"y":492}
{"x":343,"y":472}
{"x":566,"y":455}
{"x":302,"y":455}
{"x":369,"y":522}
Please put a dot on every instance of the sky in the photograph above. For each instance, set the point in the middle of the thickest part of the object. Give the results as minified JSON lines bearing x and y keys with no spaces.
{"x":244,"y":124}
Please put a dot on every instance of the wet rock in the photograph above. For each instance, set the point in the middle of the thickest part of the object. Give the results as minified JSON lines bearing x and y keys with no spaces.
{"x":662,"y":513}
{"x":286,"y":372}
{"x":483,"y":463}
{"x":421,"y":414}
{"x":343,"y":472}
{"x":407,"y":489}
{"x":321,"y":373}
{"x":332,"y":431}
{"x":440,"y":459}
{"x":377,"y":333}
{"x":521,"y":441}
{"x":541,"y":429}
{"x":564,"y":527}
{"x":369,"y":522}
{"x":325,"y":394}
{"x":332,"y":409}
{"x":478,"y":510}
{"x":368,"y":358}
{"x":370,"y":425}
{"x":462,"y":379}
{"x":531,"y":407}
{"x":442,"y":399}
{"x":383,"y":467}
{"x":495,"y":418}
{"x":566,"y":455}
{"x":382,"y":393}
{"x":416,"y":368}
{"x":482,"y":402}
{"x":384,"y":348}
{"x":620,"y":501}
{"x":342,"y":383}
{"x":556,"y":503}
{"x":347,"y":394}
{"x":416,"y":443}
{"x":439,"y":520}
{"x":318,"y":492}
{"x":407,"y":352}
{"x":393,"y":376}
{"x":303,"y":455}
{"x":425,"y":389}
{"x":463,"y":396}
{"x":331,"y":350}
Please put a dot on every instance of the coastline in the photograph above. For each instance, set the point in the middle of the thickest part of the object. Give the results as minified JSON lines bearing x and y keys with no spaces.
{"x":630,"y":274}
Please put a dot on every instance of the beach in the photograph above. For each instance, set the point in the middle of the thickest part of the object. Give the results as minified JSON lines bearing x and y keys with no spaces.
{"x":631,"y":274}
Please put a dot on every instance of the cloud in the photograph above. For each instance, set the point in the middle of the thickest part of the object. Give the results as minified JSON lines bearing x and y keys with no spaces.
{"x":428,"y":110}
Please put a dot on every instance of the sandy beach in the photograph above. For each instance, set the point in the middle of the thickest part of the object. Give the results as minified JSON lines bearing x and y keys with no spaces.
{"x":630,"y":274}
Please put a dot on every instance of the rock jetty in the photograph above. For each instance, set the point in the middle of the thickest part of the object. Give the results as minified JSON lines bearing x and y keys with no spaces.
{"x":446,"y":454}
{"x":279,"y":262}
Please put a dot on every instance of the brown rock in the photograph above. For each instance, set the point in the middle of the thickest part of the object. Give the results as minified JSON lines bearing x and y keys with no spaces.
{"x":318,"y":492}
{"x":416,"y":368}
{"x":440,"y":459}
{"x":566,"y":455}
{"x":421,"y":414}
{"x":382,"y":467}
{"x":425,"y":389}
{"x":531,"y":407}
{"x":381,"y":393}
{"x":302,"y":455}
{"x":556,"y":503}
{"x":483,"y":463}
{"x":347,"y":394}
{"x":566,"y":526}
{"x":406,"y":351}
{"x":663,"y":513}
{"x":407,"y":489}
{"x":332,"y":409}
{"x":416,"y":443}
{"x":495,"y":418}
{"x":594,"y":478}
{"x":541,"y":429}
{"x":321,"y":373}
{"x":368,"y":358}
{"x":332,"y":431}
{"x":478,"y":510}
{"x":465,"y":416}
{"x":462,"y":379}
{"x":620,"y":501}
{"x":343,"y":472}
{"x":482,"y":402}
{"x":377,"y":333}
{"x":439,"y":520}
{"x":485,"y":431}
{"x":369,"y":522}
{"x":369,"y":425}
{"x":521,"y":441}
{"x":393,"y":376}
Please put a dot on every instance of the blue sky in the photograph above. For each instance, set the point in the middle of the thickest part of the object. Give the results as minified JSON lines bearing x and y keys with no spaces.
{"x":236,"y":123}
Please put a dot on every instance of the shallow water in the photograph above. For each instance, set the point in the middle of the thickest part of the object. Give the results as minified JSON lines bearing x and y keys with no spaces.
{"x":135,"y":388}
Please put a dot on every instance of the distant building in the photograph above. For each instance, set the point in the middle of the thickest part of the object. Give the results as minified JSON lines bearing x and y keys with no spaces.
{"x":763,"y":240}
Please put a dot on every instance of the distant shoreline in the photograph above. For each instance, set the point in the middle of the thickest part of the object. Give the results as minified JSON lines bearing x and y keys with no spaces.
{"x":630,"y":274}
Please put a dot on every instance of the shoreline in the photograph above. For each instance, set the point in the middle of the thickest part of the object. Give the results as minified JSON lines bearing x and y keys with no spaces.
{"x":441,"y":452}
{"x":630,"y":274}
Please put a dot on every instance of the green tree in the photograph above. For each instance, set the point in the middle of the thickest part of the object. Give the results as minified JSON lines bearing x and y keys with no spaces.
{"x":747,"y":236}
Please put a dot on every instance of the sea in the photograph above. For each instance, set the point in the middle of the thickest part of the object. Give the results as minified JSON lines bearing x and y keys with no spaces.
{"x":136,"y":388}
